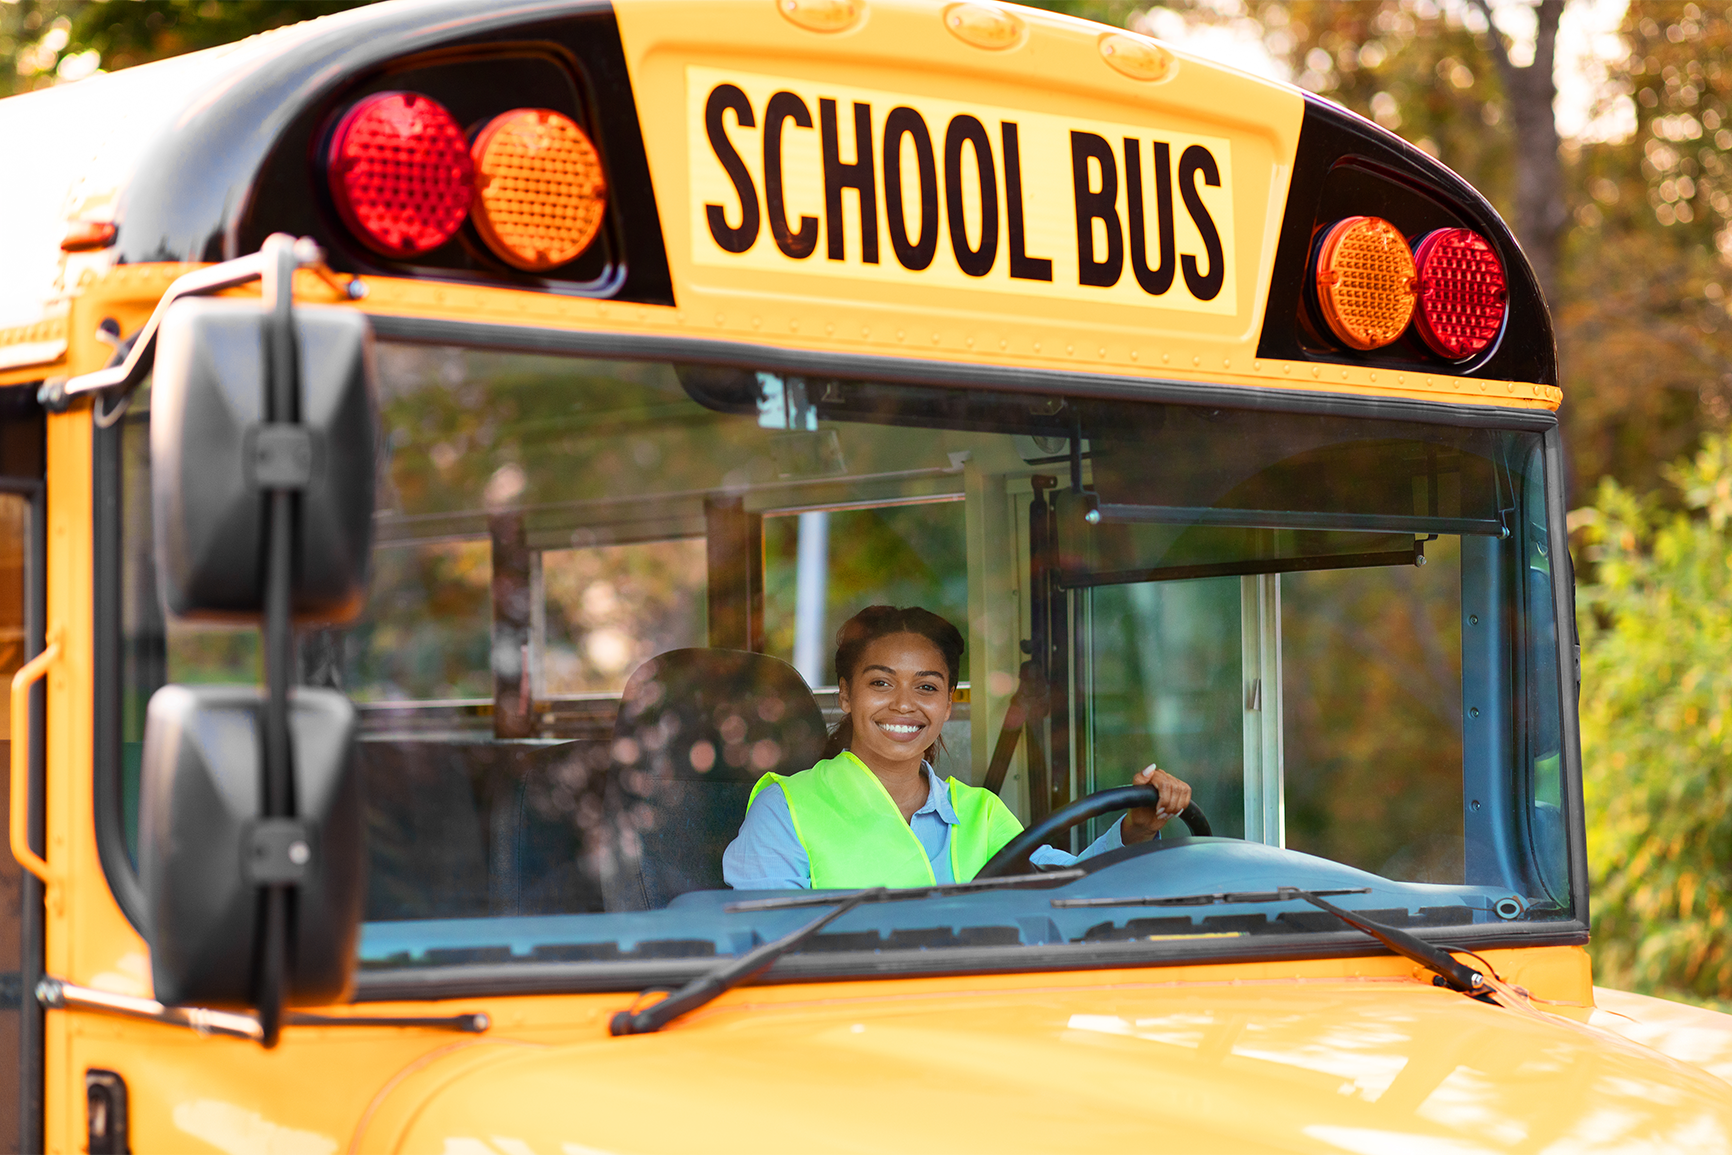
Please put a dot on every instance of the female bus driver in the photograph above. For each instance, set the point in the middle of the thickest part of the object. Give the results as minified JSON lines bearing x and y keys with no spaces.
{"x":873,"y":812}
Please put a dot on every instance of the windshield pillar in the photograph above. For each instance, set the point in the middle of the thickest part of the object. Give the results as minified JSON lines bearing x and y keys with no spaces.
{"x":1487,"y":748}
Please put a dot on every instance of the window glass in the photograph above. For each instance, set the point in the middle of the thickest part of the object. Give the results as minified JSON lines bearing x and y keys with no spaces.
{"x":1371,"y":678}
{"x":15,"y":947}
{"x":903,"y":555}
{"x":14,"y":557}
{"x":1340,"y":631}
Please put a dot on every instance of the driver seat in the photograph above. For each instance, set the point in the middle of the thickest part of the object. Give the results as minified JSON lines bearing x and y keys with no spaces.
{"x":696,"y":730}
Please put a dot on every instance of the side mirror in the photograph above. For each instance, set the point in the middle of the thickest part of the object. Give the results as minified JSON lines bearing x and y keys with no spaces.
{"x":263,"y":452}
{"x":203,"y":850}
{"x":214,"y":456}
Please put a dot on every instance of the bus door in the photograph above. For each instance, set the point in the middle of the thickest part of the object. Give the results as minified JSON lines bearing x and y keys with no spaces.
{"x":21,"y":626}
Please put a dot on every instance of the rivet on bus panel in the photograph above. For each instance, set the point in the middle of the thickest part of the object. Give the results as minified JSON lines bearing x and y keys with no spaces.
{"x":1138,"y":58}
{"x":983,"y":25}
{"x":823,"y":15}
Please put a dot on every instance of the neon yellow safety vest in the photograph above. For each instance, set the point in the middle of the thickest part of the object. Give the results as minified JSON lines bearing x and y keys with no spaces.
{"x":855,"y":836}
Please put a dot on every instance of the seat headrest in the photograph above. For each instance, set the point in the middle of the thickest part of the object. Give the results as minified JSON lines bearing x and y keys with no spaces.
{"x":717,"y":715}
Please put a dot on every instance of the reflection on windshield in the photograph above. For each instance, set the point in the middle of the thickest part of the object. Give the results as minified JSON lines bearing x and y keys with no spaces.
{"x":1338,"y":631}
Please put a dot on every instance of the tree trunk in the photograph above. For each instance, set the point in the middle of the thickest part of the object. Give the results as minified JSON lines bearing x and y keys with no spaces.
{"x":1541,"y":212}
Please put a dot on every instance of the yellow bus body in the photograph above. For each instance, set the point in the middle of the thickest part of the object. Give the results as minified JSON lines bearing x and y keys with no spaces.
{"x":1336,"y":1054}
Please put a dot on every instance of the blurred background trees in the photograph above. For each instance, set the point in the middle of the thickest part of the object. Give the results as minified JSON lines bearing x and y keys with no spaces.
{"x":1657,"y":727}
{"x":1625,"y":212}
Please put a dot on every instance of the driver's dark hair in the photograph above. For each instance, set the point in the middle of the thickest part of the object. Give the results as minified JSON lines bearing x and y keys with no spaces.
{"x":876,"y":622}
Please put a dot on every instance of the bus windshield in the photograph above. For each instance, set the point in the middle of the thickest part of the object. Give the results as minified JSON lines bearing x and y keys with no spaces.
{"x":1338,"y":630}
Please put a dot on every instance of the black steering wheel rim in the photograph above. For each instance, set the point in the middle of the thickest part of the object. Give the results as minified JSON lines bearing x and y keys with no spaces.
{"x":1012,"y":858}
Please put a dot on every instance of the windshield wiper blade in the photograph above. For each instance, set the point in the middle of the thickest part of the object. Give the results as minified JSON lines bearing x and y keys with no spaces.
{"x":898,"y":894}
{"x":1455,"y":975}
{"x":732,"y":973}
{"x":1280,"y":894}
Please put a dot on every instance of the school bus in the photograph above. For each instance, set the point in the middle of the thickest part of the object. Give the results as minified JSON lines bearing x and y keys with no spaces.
{"x":441,"y":441}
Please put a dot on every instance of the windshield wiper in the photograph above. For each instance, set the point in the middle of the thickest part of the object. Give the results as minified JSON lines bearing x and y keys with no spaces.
{"x":1455,"y":975}
{"x":736,"y":971}
{"x":1281,"y":894}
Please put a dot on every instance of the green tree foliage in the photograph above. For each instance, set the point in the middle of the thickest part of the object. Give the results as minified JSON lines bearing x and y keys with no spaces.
{"x":1657,"y":724}
{"x":1642,"y":321}
{"x":48,"y":41}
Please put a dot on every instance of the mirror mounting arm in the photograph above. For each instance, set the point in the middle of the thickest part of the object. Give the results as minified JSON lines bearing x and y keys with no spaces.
{"x":117,"y":381}
{"x":59,"y":995}
{"x":280,"y":411}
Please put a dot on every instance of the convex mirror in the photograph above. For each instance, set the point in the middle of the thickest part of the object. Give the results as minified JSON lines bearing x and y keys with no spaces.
{"x":213,"y":459}
{"x":203,"y":850}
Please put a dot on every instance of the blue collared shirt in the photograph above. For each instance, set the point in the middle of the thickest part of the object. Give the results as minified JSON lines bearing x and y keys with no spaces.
{"x":767,"y":855}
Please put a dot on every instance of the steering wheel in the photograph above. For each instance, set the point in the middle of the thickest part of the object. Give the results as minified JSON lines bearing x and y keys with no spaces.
{"x":1013,"y":858}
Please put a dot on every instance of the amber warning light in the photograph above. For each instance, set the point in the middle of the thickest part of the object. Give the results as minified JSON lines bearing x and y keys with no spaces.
{"x":404,"y":177}
{"x":1365,"y":282}
{"x":539,"y":186}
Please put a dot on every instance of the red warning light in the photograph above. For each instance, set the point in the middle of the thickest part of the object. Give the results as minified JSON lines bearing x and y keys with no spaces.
{"x":1462,"y":292}
{"x":400,"y":173}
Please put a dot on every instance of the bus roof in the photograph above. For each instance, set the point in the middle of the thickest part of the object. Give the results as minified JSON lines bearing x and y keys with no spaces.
{"x":198,"y":158}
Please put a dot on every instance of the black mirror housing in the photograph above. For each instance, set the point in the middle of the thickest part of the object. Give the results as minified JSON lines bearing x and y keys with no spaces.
{"x":204,"y":850}
{"x":213,"y":459}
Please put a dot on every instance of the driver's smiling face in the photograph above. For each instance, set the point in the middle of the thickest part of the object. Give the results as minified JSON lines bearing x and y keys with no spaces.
{"x":898,"y":699}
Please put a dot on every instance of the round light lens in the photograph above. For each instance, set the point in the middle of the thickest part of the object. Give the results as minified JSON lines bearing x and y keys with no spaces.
{"x":540,"y":189}
{"x":400,"y":173}
{"x":1462,"y":292}
{"x":1365,"y":282}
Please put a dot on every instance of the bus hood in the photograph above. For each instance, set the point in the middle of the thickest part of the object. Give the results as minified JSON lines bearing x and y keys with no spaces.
{"x":1367,"y":1065}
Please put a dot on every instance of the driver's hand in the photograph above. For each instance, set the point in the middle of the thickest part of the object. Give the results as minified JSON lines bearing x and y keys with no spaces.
{"x":1144,"y":822}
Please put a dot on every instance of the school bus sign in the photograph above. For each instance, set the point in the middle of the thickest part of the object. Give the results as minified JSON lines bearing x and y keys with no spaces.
{"x":796,"y":177}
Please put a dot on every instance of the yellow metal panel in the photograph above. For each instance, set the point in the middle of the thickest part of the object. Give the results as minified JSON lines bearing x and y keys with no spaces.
{"x":1054,"y":76}
{"x":1322,"y":1056}
{"x":325,"y":1086}
{"x":803,"y":325}
{"x":68,"y":746}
